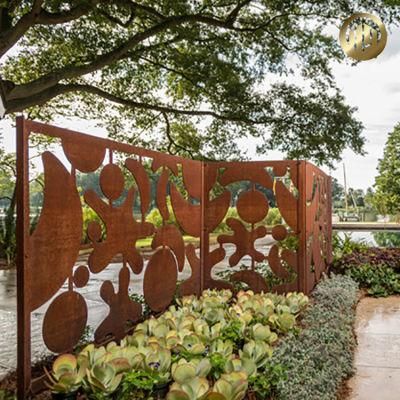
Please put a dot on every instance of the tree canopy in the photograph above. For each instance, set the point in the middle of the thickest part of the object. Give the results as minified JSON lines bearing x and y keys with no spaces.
{"x":387,"y":183}
{"x":187,"y":76}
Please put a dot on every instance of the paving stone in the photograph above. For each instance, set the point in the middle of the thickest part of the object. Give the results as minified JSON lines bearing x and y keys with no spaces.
{"x":377,"y":357}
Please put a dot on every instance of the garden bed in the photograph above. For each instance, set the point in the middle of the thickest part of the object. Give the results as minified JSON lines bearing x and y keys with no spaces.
{"x":376,"y":269}
{"x":218,"y":347}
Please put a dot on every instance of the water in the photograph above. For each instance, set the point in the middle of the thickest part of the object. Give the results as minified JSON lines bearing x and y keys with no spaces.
{"x":385,"y":238}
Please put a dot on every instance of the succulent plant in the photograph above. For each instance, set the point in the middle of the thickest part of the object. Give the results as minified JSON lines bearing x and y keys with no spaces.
{"x":242,"y":294}
{"x":231,"y":386}
{"x":215,"y":330}
{"x":213,"y":314}
{"x":195,"y":389}
{"x":91,"y":355}
{"x":137,"y":339}
{"x":183,"y":370}
{"x":223,"y":347}
{"x":286,"y":322}
{"x":121,"y":358}
{"x":237,"y":312}
{"x":102,"y":379}
{"x":201,"y":328}
{"x":211,"y":336}
{"x":190,"y":302}
{"x":172,"y":340}
{"x":282,"y":309}
{"x":66,"y":376}
{"x":258,"y":351}
{"x":222,"y":295}
{"x":246,"y":365}
{"x":296,"y":302}
{"x":158,"y":359}
{"x":192,"y":345}
{"x":263,"y":332}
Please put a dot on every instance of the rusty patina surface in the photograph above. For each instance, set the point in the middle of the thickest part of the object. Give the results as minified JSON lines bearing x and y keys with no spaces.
{"x":199,"y":194}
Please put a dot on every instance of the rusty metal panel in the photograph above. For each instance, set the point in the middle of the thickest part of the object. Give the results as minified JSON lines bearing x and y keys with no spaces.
{"x":198,"y":194}
{"x":318,"y":226}
{"x":248,"y":226}
{"x":47,"y":271}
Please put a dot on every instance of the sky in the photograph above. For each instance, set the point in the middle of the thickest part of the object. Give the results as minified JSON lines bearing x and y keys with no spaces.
{"x":372,"y":86}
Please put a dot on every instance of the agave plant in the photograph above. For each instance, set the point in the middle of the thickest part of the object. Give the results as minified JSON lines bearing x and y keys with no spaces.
{"x":231,"y":386}
{"x":102,"y":379}
{"x":258,"y":351}
{"x":66,"y":376}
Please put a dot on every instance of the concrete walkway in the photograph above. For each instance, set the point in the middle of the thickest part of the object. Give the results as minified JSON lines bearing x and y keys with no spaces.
{"x":377,"y":359}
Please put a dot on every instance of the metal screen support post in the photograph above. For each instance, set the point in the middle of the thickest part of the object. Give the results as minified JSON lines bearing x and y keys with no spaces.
{"x":204,"y":237}
{"x":301,"y":227}
{"x":23,"y":289}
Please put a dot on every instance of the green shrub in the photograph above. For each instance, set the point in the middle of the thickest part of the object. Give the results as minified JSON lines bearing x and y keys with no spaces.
{"x":319,"y":358}
{"x":262,"y":268}
{"x":375,"y":269}
{"x":155,"y":218}
{"x":273,"y":218}
{"x":89,"y":216}
{"x":7,"y":395}
{"x":380,"y":281}
{"x":345,"y":245}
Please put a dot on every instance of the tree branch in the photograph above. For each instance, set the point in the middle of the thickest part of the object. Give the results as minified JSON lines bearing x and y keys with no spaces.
{"x":169,"y":69}
{"x":48,"y":94}
{"x":171,"y":140}
{"x":117,"y":21}
{"x":142,"y":7}
{"x":12,"y":35}
{"x":73,"y":71}
{"x":232,"y":16}
{"x":46,"y":18}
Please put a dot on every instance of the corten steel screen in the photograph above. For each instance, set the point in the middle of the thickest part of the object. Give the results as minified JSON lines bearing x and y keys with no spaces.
{"x":133,"y":181}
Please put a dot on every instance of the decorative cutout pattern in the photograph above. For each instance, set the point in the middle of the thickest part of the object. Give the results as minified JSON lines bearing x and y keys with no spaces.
{"x":199,"y":196}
